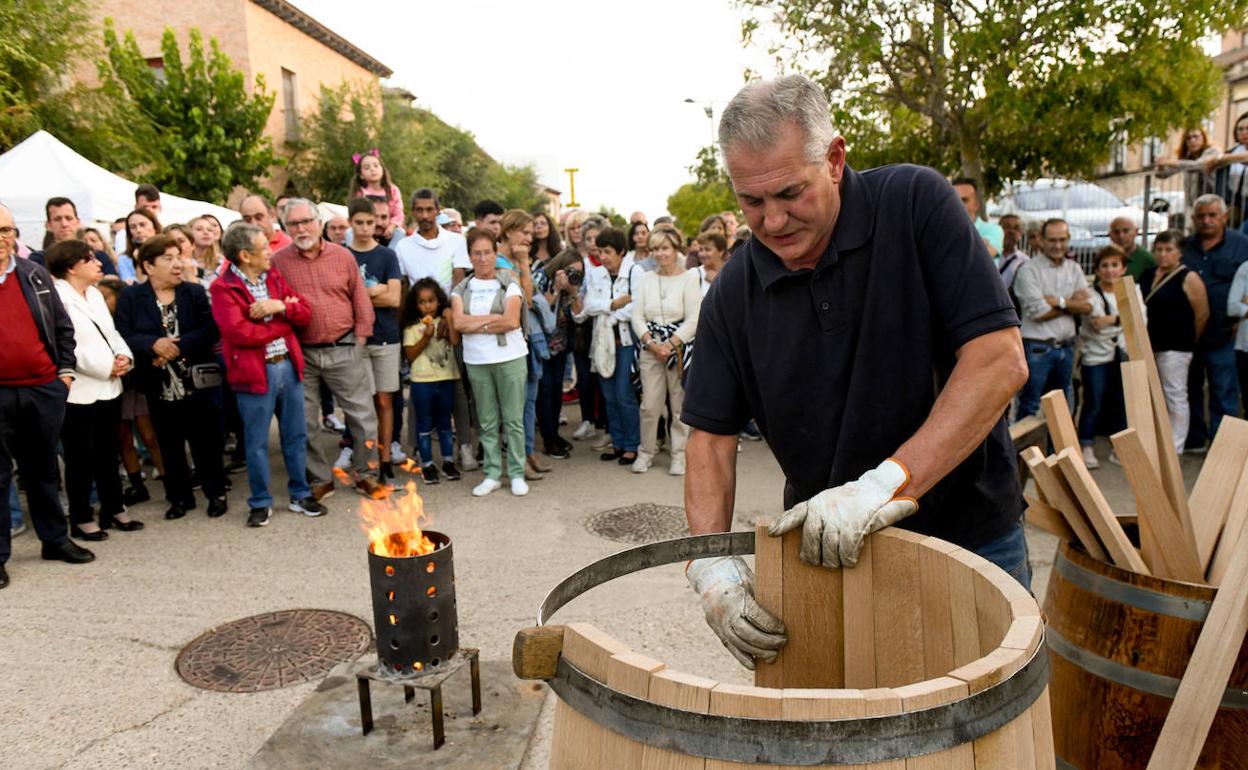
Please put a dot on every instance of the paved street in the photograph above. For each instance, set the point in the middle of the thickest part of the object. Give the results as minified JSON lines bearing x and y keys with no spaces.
{"x":88,"y":651}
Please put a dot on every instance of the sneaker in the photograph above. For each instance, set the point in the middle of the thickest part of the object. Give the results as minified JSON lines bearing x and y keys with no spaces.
{"x":602,"y":443}
{"x":1089,"y":458}
{"x":563,"y":420}
{"x":485,"y":487}
{"x":450,"y":471}
{"x":430,"y":474}
{"x":584,"y":431}
{"x":372,"y":488}
{"x":751,"y":432}
{"x":1113,"y":458}
{"x":308,"y":506}
{"x":344,"y":458}
{"x":258,"y":517}
{"x":519,"y":488}
{"x":559,"y":452}
{"x":218,"y":508}
{"x":467,"y":460}
{"x":333,"y":424}
{"x":641,"y":464}
{"x":1197,"y":450}
{"x":19,"y":529}
{"x":677,"y":466}
{"x":397,"y":455}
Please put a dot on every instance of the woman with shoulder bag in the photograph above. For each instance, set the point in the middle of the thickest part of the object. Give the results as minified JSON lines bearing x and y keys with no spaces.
{"x":89,"y":434}
{"x":168,"y":324}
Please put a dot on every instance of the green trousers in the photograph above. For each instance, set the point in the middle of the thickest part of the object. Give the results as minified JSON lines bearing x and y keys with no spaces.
{"x":499,"y":392}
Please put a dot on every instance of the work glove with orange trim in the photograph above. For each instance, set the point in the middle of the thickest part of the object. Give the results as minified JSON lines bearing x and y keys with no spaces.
{"x":725,"y":585}
{"x":836,"y":521}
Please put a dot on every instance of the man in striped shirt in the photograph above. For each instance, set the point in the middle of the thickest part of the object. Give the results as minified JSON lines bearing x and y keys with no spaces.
{"x":327,"y":277}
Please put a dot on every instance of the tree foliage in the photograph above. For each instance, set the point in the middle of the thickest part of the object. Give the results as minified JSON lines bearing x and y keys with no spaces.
{"x":42,"y":40}
{"x":709,"y":193}
{"x":1001,"y":89}
{"x":205,"y":131}
{"x":417,"y":148}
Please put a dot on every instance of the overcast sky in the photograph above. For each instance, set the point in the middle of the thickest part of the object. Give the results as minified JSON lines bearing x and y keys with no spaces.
{"x":560,"y":83}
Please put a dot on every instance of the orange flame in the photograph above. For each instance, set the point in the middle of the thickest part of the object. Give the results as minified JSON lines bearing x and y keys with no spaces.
{"x":342,"y":475}
{"x":393,"y":525}
{"x":410,"y":465}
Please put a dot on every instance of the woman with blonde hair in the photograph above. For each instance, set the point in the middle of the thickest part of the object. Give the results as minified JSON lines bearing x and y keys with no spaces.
{"x":665,"y":318}
{"x":206,"y":247}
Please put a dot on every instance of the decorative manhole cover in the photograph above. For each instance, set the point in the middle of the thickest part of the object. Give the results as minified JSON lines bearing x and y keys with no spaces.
{"x":273,"y":650}
{"x":641,"y":523}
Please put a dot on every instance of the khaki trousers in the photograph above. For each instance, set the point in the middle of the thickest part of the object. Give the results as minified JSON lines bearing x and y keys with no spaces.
{"x":660,"y":385}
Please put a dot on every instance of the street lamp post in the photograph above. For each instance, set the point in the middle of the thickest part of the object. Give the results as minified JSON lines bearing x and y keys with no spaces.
{"x":709,"y":108}
{"x":572,"y":187}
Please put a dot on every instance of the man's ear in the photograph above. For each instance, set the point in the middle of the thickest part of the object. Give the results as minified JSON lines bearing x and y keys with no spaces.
{"x":836,"y":159}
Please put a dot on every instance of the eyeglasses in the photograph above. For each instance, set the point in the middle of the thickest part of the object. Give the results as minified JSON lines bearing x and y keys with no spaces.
{"x":297,"y":223}
{"x":8,"y":232}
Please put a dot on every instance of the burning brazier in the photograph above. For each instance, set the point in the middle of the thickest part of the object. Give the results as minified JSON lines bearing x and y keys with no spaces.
{"x":413,"y":590}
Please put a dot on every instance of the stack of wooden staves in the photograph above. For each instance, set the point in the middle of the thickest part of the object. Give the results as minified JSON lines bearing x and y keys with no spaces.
{"x":1201,"y":538}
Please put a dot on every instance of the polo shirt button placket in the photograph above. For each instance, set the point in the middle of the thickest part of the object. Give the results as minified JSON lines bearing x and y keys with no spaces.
{"x":825,"y":306}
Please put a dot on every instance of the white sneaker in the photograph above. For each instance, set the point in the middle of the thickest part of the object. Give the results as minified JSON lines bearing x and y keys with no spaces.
{"x":489,"y":485}
{"x":518,"y":487}
{"x":641,"y":464}
{"x":1113,"y":458}
{"x":344,"y":458}
{"x":602,"y":443}
{"x":1089,"y":458}
{"x":677,"y":466}
{"x":563,"y":419}
{"x":334,"y":423}
{"x":584,"y":431}
{"x":467,"y":458}
{"x":397,"y":455}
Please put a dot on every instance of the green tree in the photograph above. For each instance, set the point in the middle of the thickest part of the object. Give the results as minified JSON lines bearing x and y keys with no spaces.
{"x":710,"y":192}
{"x":205,"y":132}
{"x":418,"y":149}
{"x":42,"y":40}
{"x":1001,"y":89}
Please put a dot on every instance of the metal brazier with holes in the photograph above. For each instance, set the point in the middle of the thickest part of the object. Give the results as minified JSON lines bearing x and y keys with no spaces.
{"x":414,"y":609}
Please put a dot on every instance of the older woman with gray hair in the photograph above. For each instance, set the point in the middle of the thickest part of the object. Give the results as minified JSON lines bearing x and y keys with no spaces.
{"x":258,"y":313}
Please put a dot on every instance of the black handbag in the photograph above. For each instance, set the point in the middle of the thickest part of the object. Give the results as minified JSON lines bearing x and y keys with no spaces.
{"x":205,"y":376}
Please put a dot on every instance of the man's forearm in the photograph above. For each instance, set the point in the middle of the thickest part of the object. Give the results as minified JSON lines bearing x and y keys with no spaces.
{"x":710,"y":481}
{"x":990,"y":370}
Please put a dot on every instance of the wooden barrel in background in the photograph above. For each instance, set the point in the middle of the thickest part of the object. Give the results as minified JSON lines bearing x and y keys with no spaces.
{"x":1119,"y":643}
{"x":963,"y":623}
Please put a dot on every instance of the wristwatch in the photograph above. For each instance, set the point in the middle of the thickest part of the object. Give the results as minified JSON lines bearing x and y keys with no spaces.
{"x":1061,"y":303}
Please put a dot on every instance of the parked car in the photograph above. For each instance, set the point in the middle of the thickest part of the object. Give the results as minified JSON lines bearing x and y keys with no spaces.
{"x":1086,"y":207}
{"x":1170,"y":203}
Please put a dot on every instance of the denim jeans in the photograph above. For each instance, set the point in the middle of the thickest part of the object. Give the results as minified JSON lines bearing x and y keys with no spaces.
{"x":1048,"y":367}
{"x":550,"y":402}
{"x":1009,"y":552}
{"x":285,"y":399}
{"x":433,"y":403}
{"x":1219,"y":365}
{"x":1096,"y":379}
{"x":15,"y":507}
{"x":623,"y":416}
{"x":532,"y":384}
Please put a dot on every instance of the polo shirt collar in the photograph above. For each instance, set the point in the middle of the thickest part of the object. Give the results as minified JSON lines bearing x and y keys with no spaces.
{"x":260,"y":279}
{"x":854,"y":225}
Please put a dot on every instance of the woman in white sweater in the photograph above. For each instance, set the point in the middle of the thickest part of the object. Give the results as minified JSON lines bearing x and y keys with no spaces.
{"x":665,"y":317}
{"x":93,"y":411}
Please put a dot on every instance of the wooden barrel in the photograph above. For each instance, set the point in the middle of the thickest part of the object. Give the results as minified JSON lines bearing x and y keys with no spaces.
{"x":1119,"y":643}
{"x":953,"y":643}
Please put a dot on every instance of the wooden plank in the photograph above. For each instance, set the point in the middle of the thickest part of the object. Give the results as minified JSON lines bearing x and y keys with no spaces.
{"x":936,"y":606}
{"x":535,"y":652}
{"x":769,"y":592}
{"x":804,"y":705}
{"x":1236,"y":527}
{"x":962,"y":610}
{"x":1135,"y":332}
{"x":1099,"y":513}
{"x":1167,"y":552}
{"x":1196,"y":702}
{"x":1211,"y":496}
{"x":992,"y":612}
{"x":1061,"y":425}
{"x":682,"y":691}
{"x":1139,"y":406}
{"x":883,"y":701}
{"x":629,"y":673}
{"x":815,"y":653}
{"x":741,"y":701}
{"x":937,"y":692}
{"x":1054,"y":487}
{"x":1041,"y":514}
{"x":580,"y":739}
{"x":1042,"y":732}
{"x":898,"y":611}
{"x":859,"y":619}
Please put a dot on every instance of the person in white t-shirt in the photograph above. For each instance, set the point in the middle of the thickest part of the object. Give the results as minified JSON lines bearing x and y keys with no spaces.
{"x":486,"y":309}
{"x":431,"y":251}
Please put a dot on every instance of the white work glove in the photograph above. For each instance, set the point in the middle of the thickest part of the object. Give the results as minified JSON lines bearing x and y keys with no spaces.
{"x":726,"y":587}
{"x":835,"y":521}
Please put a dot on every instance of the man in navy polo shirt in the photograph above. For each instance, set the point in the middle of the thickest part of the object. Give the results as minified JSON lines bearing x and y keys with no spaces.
{"x":865,"y":329}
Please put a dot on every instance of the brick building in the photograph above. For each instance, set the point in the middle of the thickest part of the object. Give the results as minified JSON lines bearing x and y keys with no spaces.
{"x":294,"y":52}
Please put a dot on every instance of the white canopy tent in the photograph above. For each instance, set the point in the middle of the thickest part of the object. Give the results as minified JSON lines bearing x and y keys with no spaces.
{"x":42,"y":167}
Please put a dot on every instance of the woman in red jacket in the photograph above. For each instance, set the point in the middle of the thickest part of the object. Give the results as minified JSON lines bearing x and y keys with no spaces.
{"x":257,"y":312}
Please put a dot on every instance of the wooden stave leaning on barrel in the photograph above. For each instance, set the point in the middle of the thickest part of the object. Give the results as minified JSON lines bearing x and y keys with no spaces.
{"x":1148,"y":631}
{"x":985,"y":640}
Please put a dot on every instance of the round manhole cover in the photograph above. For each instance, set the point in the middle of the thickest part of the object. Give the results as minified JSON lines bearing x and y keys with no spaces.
{"x":273,"y":650}
{"x":641,"y":523}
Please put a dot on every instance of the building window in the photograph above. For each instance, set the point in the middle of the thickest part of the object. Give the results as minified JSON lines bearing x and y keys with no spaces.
{"x":290,"y":104}
{"x":1151,"y":151}
{"x":157,"y":65}
{"x":1119,"y":151}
